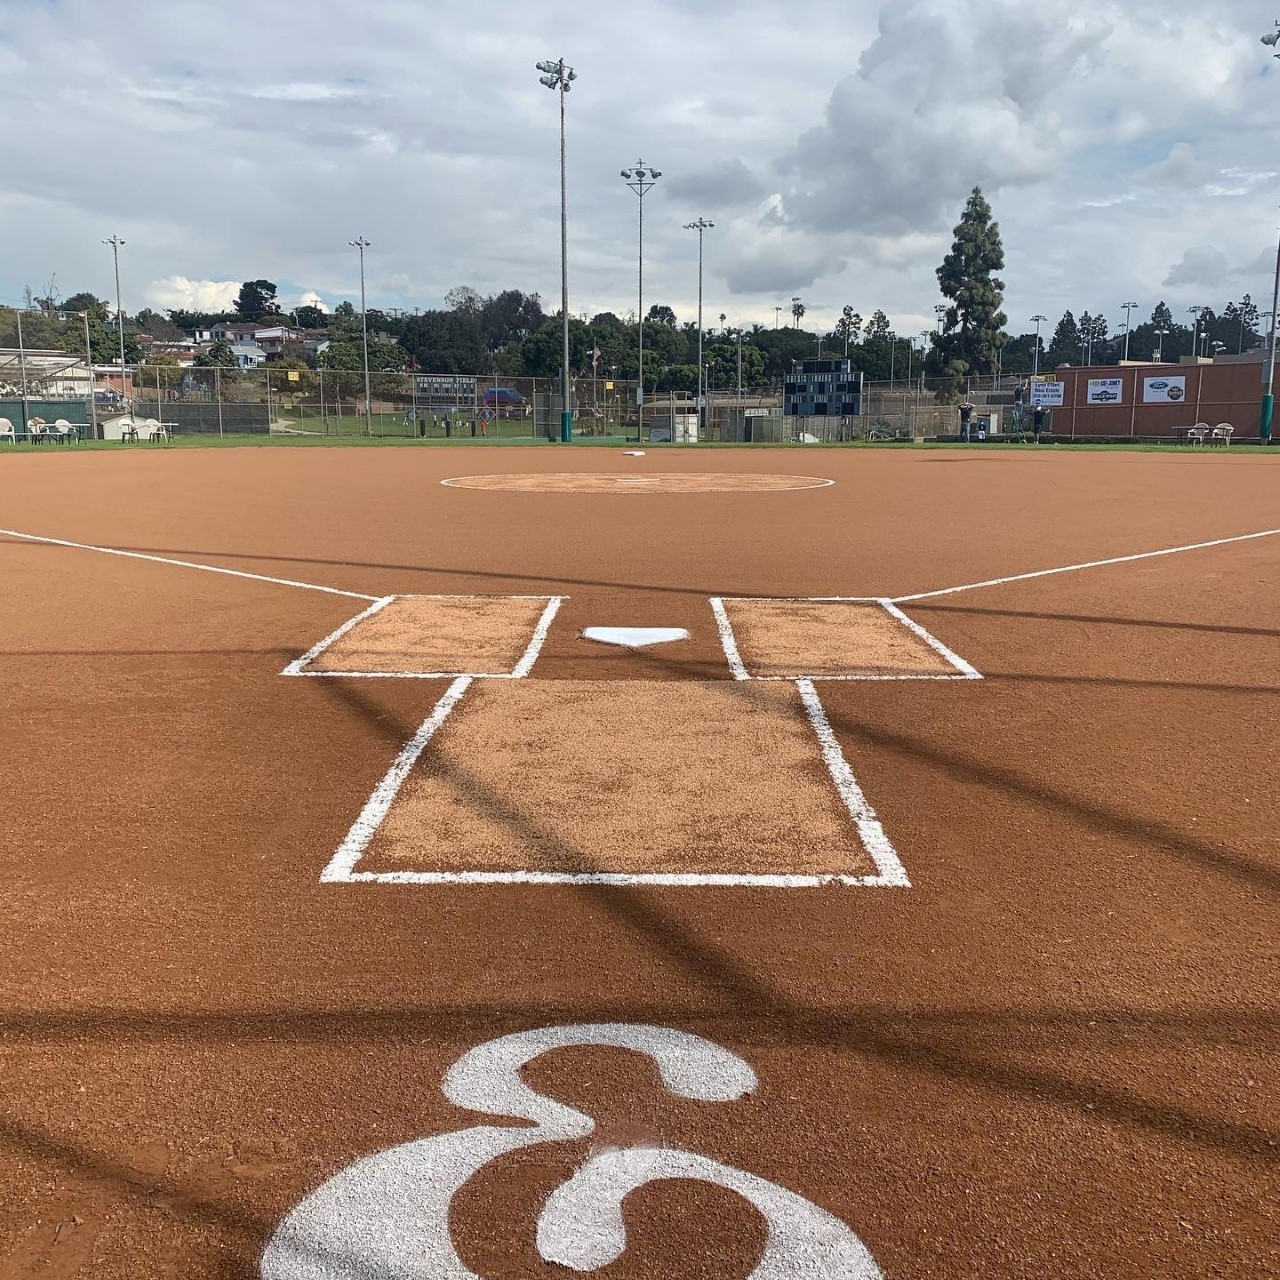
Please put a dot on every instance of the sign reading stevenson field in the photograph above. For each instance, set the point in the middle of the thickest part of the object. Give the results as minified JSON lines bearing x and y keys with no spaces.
{"x":1106,"y":391}
{"x":1164,"y":390}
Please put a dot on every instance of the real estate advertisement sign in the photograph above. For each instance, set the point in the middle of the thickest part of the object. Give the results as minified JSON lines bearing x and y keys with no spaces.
{"x":1050,"y":394}
{"x":1106,"y":391}
{"x":1164,"y":390}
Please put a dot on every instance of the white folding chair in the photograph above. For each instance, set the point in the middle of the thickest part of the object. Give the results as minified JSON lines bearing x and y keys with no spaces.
{"x":155,"y":429}
{"x":1223,"y":431}
{"x":7,"y":432}
{"x":1199,"y":433}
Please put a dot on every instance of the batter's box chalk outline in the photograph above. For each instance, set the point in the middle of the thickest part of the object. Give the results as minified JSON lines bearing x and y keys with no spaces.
{"x":962,"y":670}
{"x":298,"y":667}
{"x":890,"y":873}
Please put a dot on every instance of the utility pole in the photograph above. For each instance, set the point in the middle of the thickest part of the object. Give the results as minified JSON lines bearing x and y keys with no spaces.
{"x":1268,"y":396}
{"x":559,"y":77}
{"x":1129,"y":309}
{"x":362,"y":244}
{"x":116,"y":245}
{"x":640,"y":179}
{"x":700,"y":226}
{"x":1035,"y":364}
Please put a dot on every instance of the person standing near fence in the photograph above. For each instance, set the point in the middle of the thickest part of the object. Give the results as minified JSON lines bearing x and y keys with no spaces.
{"x":966,"y":418}
{"x":1037,"y":422}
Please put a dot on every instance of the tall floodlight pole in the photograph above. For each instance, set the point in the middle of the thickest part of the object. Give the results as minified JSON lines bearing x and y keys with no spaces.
{"x":116,"y":245}
{"x":22,"y":363}
{"x":88,"y":356}
{"x":1195,"y":330}
{"x":558,"y":77}
{"x":362,"y":244}
{"x":1035,"y":363}
{"x":1159,"y":352}
{"x":777,"y":316}
{"x":940,"y":311}
{"x":1269,"y":395}
{"x":640,"y":179}
{"x":1129,"y":309}
{"x":701,"y":226}
{"x":739,"y":365}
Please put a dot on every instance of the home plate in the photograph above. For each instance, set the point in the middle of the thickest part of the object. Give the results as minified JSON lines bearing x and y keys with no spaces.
{"x":635,"y":637}
{"x":633,"y":453}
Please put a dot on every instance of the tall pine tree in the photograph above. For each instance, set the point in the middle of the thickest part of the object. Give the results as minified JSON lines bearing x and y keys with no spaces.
{"x":974,"y":323}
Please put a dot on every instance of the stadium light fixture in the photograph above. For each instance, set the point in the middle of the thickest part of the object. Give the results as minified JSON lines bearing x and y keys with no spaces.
{"x":1272,"y":39}
{"x":640,"y":178}
{"x":701,"y":226}
{"x":559,"y":78}
{"x":1159,"y":351}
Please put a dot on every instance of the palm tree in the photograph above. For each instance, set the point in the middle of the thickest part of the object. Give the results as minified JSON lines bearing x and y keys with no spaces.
{"x":797,"y":311}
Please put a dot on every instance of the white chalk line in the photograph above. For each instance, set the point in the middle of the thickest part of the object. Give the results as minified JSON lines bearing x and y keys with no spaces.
{"x":870,"y":832}
{"x":1089,"y":564}
{"x":728,"y":641}
{"x":967,"y":672}
{"x":618,"y":880}
{"x":525,"y":665}
{"x":379,"y":803}
{"x":522,"y":668}
{"x":295,"y":667}
{"x":185,"y":564}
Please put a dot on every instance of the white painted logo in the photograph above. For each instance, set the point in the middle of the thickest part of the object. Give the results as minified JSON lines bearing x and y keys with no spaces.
{"x":387,"y":1216}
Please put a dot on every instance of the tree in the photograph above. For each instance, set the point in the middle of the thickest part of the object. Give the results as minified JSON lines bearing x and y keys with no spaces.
{"x":217,"y":355}
{"x":510,"y":316}
{"x":463,"y":298}
{"x":158,"y":326}
{"x":1064,"y":346}
{"x":878,"y":326}
{"x":849,"y":326}
{"x":659,"y":314}
{"x":973,"y":330}
{"x":446,"y":342}
{"x":256,"y":300}
{"x":78,"y":302}
{"x":798,"y":310}
{"x":310,"y":317}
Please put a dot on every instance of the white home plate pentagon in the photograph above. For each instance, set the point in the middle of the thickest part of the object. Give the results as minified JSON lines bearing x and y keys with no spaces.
{"x":628,"y":781}
{"x":635,"y":637}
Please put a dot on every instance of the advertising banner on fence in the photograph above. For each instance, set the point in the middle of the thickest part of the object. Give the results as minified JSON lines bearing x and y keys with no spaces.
{"x":446,"y":389}
{"x":1106,"y":391}
{"x":1050,"y":394}
{"x":1163,"y":390}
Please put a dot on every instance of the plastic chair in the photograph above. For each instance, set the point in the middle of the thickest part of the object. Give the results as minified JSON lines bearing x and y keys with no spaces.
{"x":155,"y":429}
{"x":1199,"y":433}
{"x":35,"y":430}
{"x":7,"y":432}
{"x":127,"y":429}
{"x":1223,"y":431}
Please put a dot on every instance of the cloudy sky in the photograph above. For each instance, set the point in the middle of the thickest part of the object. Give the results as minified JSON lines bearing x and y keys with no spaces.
{"x":1128,"y":148}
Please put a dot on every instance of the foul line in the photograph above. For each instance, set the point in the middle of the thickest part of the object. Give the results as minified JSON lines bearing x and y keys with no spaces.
{"x":728,"y":641}
{"x":295,"y":667}
{"x":966,"y":669}
{"x":1090,"y":564}
{"x":185,"y":564}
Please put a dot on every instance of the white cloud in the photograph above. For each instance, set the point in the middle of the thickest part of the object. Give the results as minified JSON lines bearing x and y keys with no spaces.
{"x":179,"y":293}
{"x":312,"y":299}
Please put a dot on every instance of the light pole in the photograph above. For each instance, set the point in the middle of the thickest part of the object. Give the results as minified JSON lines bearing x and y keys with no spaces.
{"x":1159,"y":351}
{"x":640,"y":179}
{"x":116,"y":245}
{"x":22,"y":365}
{"x":88,"y":356}
{"x":701,"y":226}
{"x":940,"y":311}
{"x":1035,"y":363}
{"x":1268,"y":396}
{"x":777,"y":316}
{"x":739,"y":366}
{"x":1129,"y":309}
{"x":362,"y":244}
{"x":1195,"y":329}
{"x":559,"y":77}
